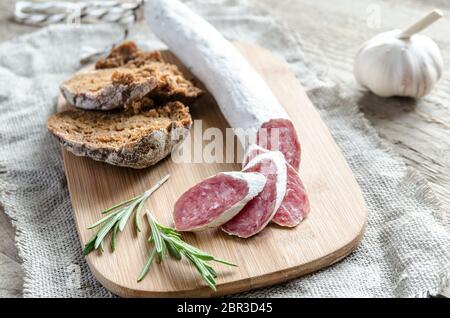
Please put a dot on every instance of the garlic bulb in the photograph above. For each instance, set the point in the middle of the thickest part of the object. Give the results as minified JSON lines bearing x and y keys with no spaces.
{"x":400,"y":63}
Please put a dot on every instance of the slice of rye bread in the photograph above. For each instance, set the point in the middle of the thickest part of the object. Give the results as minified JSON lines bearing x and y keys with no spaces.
{"x":171,"y":83}
{"x":122,"y":138}
{"x":108,"y":89}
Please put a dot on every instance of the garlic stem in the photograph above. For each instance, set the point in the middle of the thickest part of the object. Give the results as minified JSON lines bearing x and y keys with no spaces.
{"x":423,"y":23}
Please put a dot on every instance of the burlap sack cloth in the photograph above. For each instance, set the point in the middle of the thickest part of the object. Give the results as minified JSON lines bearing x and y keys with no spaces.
{"x":405,"y":250}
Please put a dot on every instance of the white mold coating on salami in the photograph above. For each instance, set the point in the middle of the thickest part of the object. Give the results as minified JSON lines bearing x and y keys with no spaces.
{"x":216,"y":200}
{"x":252,"y":151}
{"x":243,"y":97}
{"x":259,"y":212}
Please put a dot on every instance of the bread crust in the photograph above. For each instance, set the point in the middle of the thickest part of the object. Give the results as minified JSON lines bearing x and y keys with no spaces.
{"x":107,"y":89}
{"x":146,"y":151}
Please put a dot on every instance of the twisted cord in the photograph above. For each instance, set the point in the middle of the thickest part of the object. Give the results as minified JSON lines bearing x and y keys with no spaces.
{"x":44,"y":13}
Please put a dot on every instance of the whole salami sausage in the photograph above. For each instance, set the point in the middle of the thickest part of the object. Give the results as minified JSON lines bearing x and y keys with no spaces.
{"x":258,"y":212}
{"x":216,"y":200}
{"x":242,"y":95}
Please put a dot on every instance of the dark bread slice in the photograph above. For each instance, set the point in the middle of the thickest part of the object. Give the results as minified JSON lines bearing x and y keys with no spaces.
{"x":170,"y":82}
{"x":108,"y":89}
{"x":122,"y":138}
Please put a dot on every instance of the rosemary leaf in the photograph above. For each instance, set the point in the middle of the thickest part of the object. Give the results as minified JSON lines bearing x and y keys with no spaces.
{"x":137,"y":218}
{"x":126,"y":215}
{"x":105,"y":229}
{"x":147,"y":265}
{"x":90,"y":245}
{"x":167,"y":230}
{"x":106,"y":218}
{"x":202,"y":271}
{"x":173,"y":251}
{"x":121,"y":204}
{"x":114,"y":237}
{"x":157,"y":239}
{"x":172,"y":235}
{"x":210,"y":269}
{"x":192,"y":250}
{"x":218,"y":260}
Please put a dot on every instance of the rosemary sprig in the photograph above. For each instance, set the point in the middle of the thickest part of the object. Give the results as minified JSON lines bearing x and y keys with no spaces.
{"x":117,"y":217}
{"x":165,"y":240}
{"x":168,"y":241}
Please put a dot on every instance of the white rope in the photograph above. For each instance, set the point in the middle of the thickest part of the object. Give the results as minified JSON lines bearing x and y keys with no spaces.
{"x":43,"y":13}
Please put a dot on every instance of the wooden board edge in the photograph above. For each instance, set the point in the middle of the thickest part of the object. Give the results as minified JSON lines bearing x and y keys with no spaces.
{"x":241,"y":286}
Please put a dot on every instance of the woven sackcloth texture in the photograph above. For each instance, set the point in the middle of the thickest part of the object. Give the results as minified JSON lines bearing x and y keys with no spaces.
{"x":405,"y":251}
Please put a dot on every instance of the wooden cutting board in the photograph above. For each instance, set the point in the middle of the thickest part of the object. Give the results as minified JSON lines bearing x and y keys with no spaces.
{"x":331,"y":231}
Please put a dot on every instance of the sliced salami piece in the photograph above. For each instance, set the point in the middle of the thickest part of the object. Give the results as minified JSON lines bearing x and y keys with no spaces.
{"x":295,"y":205}
{"x":216,"y":200}
{"x":259,"y":212}
{"x":280,"y":134}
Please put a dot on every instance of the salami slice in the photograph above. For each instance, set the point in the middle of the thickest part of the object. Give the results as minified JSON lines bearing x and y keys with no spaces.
{"x":259,"y":212}
{"x":280,"y":134}
{"x":295,"y":205}
{"x":216,"y":200}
